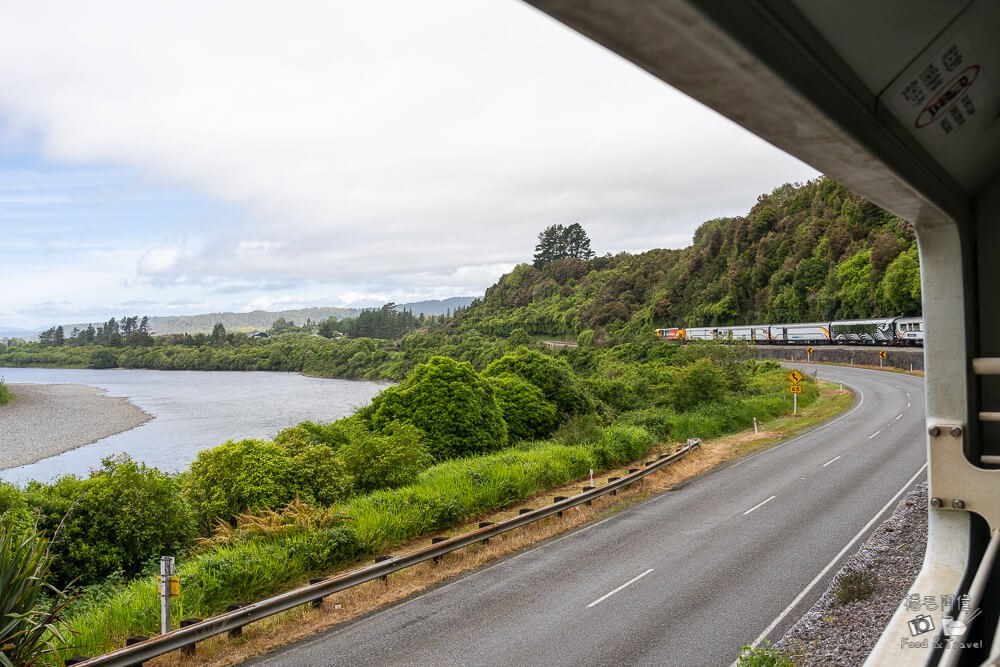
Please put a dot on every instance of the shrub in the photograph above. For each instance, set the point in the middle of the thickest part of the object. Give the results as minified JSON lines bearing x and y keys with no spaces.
{"x":579,"y":428}
{"x":448,"y":401}
{"x":763,"y":656}
{"x":119,"y":518}
{"x":528,"y":415}
{"x":5,"y":394}
{"x":29,"y":607}
{"x":553,"y":376}
{"x":697,"y":383}
{"x":332,"y":435}
{"x":854,"y":584}
{"x":386,"y":460}
{"x":236,"y":476}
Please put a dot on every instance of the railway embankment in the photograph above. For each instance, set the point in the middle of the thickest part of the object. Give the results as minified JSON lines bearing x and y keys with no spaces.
{"x":903,"y":358}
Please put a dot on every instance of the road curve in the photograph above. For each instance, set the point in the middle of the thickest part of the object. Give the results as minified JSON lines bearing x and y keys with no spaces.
{"x":684,"y":578}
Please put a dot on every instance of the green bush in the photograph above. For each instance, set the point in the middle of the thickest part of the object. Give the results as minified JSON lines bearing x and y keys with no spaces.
{"x":763,"y":656}
{"x":115,"y":521}
{"x":5,"y":394}
{"x":553,"y":376}
{"x":448,"y":401}
{"x":30,"y":608}
{"x":386,"y":460}
{"x":697,"y":383}
{"x":252,"y":474}
{"x":528,"y":415}
{"x":332,"y":435}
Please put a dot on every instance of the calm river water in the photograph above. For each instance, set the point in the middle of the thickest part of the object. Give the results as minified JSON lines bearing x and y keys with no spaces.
{"x":193,"y":410}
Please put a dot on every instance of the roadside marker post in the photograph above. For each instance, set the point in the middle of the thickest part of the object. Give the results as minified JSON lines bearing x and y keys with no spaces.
{"x":881,"y":356}
{"x":169,"y":588}
{"x":755,"y":426}
{"x":809,"y":353}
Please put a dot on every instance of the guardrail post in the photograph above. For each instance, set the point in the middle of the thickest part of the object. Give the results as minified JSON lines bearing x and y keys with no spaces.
{"x":76,"y":659}
{"x":135,"y":639}
{"x":557,"y":499}
{"x":614,"y":479}
{"x":632,"y":470}
{"x":584,"y":490}
{"x":318,"y":602}
{"x":381,"y":559}
{"x":483,"y":524}
{"x":190,"y":648}
{"x":524,"y":510}
{"x":237,"y":632}
{"x":437,"y":540}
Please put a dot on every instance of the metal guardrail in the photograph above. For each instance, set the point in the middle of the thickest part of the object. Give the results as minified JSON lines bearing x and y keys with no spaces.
{"x":233,"y":621}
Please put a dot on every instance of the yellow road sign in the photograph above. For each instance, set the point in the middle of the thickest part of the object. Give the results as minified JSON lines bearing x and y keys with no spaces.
{"x":795,"y":377}
{"x":881,"y":354}
{"x":795,"y":389}
{"x":809,"y":350}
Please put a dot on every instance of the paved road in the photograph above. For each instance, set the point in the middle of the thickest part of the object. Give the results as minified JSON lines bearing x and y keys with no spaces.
{"x":712,"y":564}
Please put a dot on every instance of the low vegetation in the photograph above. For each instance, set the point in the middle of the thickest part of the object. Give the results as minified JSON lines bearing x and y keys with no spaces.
{"x":253,"y":517}
{"x":854,"y":584}
{"x":5,"y":394}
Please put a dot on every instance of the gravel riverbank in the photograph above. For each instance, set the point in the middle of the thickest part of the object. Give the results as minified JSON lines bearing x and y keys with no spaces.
{"x":844,"y":634}
{"x":48,"y":419}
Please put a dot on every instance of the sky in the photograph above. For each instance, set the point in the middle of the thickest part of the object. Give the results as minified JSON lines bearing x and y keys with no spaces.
{"x":166,"y":158}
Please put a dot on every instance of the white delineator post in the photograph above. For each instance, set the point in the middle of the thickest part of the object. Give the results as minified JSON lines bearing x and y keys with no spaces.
{"x":166,"y":575}
{"x":795,"y":405}
{"x":755,"y":426}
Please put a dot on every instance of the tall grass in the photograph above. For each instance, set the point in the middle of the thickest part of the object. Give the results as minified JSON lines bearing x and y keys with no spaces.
{"x":5,"y":395}
{"x":442,"y":497}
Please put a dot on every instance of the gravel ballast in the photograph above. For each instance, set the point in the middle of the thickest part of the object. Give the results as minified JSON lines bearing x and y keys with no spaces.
{"x":47,"y":419}
{"x":844,"y":634}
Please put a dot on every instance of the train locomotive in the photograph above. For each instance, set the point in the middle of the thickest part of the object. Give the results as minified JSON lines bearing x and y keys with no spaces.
{"x":876,"y":331}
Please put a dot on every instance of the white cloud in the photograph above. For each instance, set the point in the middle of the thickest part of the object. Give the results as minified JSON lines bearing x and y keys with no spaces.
{"x":367,"y":141}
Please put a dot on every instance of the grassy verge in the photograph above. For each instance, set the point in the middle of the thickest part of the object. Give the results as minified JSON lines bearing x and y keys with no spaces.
{"x":5,"y":394}
{"x":304,"y":621}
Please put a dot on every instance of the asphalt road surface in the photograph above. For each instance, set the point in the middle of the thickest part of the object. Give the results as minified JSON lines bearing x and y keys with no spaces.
{"x":684,"y":578}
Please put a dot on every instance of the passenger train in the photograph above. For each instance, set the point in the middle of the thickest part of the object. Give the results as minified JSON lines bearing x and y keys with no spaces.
{"x":881,"y":331}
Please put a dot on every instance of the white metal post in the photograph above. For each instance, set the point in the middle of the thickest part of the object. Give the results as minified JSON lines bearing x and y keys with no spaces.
{"x":166,"y":574}
{"x":795,"y":405}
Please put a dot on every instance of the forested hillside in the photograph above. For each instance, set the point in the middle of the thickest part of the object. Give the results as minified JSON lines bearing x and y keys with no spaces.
{"x":802,"y":253}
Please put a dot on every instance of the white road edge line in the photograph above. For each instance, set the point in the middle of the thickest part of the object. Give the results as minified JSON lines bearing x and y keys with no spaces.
{"x":833,"y":562}
{"x":897,"y":417}
{"x":907,"y":404}
{"x":625,"y":585}
{"x":829,"y":462}
{"x":874,"y":434}
{"x":759,"y":505}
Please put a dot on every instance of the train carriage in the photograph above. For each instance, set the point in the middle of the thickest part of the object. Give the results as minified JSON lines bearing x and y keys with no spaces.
{"x":909,"y":330}
{"x":865,"y":332}
{"x":800,"y":334}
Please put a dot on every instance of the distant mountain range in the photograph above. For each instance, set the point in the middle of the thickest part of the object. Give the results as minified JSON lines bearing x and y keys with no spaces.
{"x":257,"y":320}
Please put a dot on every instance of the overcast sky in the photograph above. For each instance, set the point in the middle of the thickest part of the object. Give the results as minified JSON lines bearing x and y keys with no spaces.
{"x":171,"y":158}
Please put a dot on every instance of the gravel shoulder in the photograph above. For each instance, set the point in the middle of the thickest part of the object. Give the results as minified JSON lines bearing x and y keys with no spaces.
{"x":844,"y":634}
{"x":47,"y":419}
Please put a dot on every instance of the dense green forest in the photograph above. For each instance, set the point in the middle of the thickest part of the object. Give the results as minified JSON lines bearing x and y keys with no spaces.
{"x":803,"y":253}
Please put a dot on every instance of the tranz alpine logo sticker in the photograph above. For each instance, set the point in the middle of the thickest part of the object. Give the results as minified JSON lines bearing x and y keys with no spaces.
{"x":946,"y":97}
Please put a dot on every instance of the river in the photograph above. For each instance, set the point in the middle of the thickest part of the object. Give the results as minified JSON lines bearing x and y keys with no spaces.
{"x":192,"y":410}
